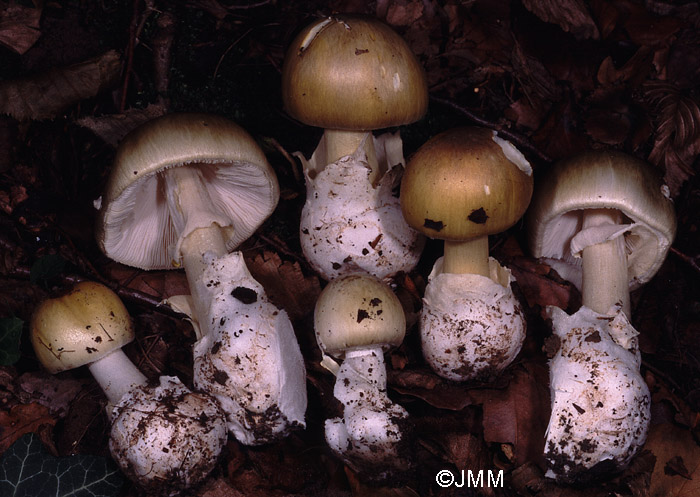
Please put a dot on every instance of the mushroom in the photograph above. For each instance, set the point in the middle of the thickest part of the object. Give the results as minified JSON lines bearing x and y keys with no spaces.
{"x":357,"y":318}
{"x":604,"y":220}
{"x":461,"y":186}
{"x":351,"y":74}
{"x":164,"y":437}
{"x":184,"y":190}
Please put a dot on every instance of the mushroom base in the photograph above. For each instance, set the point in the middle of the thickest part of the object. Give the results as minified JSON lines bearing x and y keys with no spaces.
{"x":600,"y":402}
{"x":248,"y":356}
{"x":167,"y":438}
{"x":349,"y":225}
{"x":472,"y":327}
{"x":372,"y":436}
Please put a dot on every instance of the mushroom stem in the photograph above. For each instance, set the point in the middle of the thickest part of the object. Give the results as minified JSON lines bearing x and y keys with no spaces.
{"x":188,"y":204}
{"x":116,"y":375}
{"x":340,"y":143}
{"x":467,"y":257}
{"x":605,"y":279}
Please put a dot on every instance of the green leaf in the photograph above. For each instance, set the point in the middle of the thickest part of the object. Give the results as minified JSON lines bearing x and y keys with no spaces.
{"x":28,"y":470}
{"x":46,"y":267}
{"x":10,"y":333}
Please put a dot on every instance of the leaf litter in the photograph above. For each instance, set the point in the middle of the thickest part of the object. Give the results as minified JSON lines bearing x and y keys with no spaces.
{"x":562,"y":77}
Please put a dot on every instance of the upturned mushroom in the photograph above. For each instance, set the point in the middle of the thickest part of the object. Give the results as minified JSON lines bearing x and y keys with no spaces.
{"x":350,"y":75}
{"x":357,"y":318}
{"x":184,"y":190}
{"x":605,"y":221}
{"x":164,"y":437}
{"x":461,"y":186}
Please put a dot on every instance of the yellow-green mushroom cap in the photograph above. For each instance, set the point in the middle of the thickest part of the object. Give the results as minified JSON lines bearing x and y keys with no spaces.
{"x":79,"y":327}
{"x":465,"y":183}
{"x":353,"y":73}
{"x":358,"y":311}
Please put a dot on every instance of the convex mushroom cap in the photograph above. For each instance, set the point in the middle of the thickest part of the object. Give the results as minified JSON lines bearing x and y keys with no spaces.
{"x":352,"y":72}
{"x":135,"y":226}
{"x":165,"y":438}
{"x":79,"y":328}
{"x":604,"y":179}
{"x":356,"y":317}
{"x":358,"y":311}
{"x":465,"y":183}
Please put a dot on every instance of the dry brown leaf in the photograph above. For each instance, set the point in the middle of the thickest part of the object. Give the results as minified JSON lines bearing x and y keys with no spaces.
{"x":519,"y":414}
{"x":677,"y":143}
{"x":49,"y":391}
{"x":19,"y":26}
{"x":285,"y":283}
{"x":570,"y":15}
{"x":45,"y":95}
{"x":404,"y":12}
{"x":541,"y":286}
{"x":430,"y":388}
{"x":115,"y":127}
{"x":360,"y":489}
{"x":669,"y":442}
{"x":21,"y":419}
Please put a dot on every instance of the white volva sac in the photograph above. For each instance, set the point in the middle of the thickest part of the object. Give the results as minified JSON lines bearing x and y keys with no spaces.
{"x":347,"y":223}
{"x":600,"y":402}
{"x":471,"y":326}
{"x":368,"y":437}
{"x":249,"y":358}
{"x":166,"y":437}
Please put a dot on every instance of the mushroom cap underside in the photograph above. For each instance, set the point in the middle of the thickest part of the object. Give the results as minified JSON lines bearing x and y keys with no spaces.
{"x":134,"y":225}
{"x":604,"y":180}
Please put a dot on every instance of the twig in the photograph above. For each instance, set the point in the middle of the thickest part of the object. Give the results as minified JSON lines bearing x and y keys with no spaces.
{"x":691,"y":261}
{"x":519,"y":140}
{"x":127,"y":294}
{"x":295,"y":167}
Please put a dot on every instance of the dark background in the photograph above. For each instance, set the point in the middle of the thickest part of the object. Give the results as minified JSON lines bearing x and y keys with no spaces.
{"x":554,"y":77}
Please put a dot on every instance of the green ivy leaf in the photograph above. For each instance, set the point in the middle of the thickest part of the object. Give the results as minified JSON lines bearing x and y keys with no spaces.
{"x":10,"y":333}
{"x":27,"y":470}
{"x":46,"y":267}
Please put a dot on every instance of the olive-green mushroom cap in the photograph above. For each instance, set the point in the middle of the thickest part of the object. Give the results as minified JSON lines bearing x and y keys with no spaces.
{"x":353,"y":73}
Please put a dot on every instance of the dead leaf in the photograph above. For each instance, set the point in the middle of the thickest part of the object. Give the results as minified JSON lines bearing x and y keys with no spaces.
{"x":113,"y":128}
{"x":542,"y":286}
{"x":45,"y":95}
{"x":570,"y":15}
{"x":404,"y":12}
{"x":22,"y":419}
{"x":677,"y":142}
{"x":430,"y":388}
{"x":285,"y":283}
{"x":19,"y":26}
{"x":49,"y":391}
{"x":668,"y":443}
{"x":360,"y":489}
{"x":519,"y":414}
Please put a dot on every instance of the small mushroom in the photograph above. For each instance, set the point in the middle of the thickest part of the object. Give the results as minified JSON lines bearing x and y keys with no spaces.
{"x":604,"y":220}
{"x":184,"y":190}
{"x":357,"y":318}
{"x":461,"y":186}
{"x":165,"y":437}
{"x":351,"y":74}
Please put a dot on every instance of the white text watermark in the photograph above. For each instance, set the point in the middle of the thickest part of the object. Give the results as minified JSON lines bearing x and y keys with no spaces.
{"x":470,"y":479}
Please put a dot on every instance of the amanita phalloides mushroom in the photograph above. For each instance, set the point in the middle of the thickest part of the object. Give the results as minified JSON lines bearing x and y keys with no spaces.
{"x":352,"y":74}
{"x":357,"y":318}
{"x":461,"y":186}
{"x":604,"y":220}
{"x":164,"y":437}
{"x":184,"y":190}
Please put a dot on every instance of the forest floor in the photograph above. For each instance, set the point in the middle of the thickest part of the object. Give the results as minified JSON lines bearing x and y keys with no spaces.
{"x":554,"y":77}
